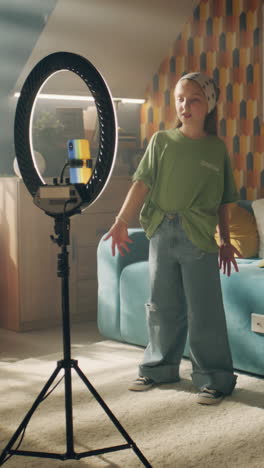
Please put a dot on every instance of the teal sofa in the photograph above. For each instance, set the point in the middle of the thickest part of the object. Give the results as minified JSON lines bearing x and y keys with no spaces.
{"x":123,"y":290}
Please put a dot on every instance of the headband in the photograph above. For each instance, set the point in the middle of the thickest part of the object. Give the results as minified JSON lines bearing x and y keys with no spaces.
{"x":208,"y":86}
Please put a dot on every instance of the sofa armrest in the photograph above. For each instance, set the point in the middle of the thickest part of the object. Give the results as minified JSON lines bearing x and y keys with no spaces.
{"x":109,"y":269}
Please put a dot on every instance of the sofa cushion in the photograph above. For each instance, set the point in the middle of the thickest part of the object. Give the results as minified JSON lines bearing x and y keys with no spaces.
{"x":243,"y":231}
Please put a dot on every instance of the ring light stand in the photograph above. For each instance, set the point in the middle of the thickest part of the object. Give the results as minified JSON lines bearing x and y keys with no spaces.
{"x":62,"y":201}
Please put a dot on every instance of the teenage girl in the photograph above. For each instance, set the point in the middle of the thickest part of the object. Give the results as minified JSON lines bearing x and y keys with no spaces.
{"x":182,"y":187}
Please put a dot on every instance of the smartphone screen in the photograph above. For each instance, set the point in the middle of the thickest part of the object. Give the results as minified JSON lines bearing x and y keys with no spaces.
{"x":80,"y":161}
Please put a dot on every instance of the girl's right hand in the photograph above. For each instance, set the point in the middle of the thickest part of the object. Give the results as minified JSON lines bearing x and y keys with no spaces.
{"x":120,"y":238}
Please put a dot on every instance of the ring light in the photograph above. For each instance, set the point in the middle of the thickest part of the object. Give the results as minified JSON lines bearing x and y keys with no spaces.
{"x":75,"y":197}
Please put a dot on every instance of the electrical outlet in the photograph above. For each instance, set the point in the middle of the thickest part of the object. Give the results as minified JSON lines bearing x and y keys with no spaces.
{"x":257,"y":323}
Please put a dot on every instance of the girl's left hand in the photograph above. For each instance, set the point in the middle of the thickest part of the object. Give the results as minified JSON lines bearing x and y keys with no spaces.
{"x":227,"y":258}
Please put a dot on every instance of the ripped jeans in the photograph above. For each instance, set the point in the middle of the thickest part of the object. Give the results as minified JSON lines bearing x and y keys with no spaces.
{"x":185,"y":296}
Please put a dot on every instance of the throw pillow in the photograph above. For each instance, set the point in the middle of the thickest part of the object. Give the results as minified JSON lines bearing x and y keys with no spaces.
{"x":243,"y":231}
{"x":258,"y":208}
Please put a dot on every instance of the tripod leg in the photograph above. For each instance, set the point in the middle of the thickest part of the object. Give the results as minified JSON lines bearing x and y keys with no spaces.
{"x":111,"y":416}
{"x":68,"y":413}
{"x":26,"y":419}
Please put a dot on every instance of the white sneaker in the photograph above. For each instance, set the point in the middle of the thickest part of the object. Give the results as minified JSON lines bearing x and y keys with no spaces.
{"x":141,"y":384}
{"x":209,"y":396}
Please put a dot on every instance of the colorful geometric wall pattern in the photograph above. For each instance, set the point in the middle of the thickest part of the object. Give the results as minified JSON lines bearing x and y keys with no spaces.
{"x":223,"y":39}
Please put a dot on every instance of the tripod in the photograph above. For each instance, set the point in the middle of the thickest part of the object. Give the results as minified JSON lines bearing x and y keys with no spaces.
{"x":62,"y":229}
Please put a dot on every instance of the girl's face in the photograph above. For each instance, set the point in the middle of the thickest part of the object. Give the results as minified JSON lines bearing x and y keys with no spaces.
{"x":191,"y":104}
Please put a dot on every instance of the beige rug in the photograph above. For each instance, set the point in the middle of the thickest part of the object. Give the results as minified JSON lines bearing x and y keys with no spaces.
{"x":168,"y":426}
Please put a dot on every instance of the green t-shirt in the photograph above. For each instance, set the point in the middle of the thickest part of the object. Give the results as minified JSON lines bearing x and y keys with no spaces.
{"x":191,"y":177}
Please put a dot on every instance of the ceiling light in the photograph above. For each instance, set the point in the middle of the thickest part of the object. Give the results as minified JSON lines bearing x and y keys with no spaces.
{"x":69,"y":97}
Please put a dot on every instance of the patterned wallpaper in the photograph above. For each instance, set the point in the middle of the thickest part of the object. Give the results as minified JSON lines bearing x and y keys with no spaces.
{"x":223,"y":39}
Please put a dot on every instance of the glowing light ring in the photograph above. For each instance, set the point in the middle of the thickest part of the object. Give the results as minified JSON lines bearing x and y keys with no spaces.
{"x":106,"y":116}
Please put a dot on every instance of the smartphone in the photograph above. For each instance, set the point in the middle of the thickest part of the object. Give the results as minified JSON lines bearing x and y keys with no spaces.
{"x":80,"y":161}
